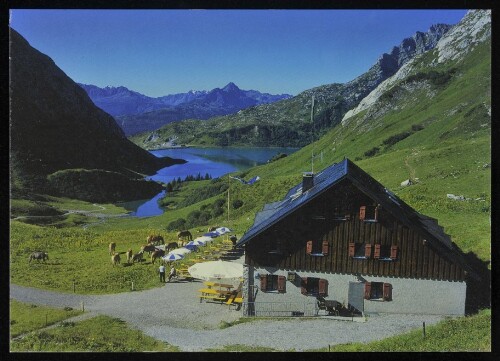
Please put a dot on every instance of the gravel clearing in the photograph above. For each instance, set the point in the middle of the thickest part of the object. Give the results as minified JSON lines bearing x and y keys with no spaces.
{"x":174,"y":314}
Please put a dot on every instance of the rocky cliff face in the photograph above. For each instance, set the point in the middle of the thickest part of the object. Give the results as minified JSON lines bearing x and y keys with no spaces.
{"x":389,"y":63}
{"x":448,"y":44}
{"x":55,"y":126}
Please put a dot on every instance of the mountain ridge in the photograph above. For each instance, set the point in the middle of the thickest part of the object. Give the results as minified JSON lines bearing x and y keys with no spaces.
{"x":287,"y":122}
{"x":136,"y":112}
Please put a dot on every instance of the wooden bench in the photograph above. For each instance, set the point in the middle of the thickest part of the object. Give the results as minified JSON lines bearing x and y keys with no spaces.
{"x":217,"y":298}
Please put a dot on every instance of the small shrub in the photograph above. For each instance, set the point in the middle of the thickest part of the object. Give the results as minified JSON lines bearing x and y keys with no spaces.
{"x":396,"y":138}
{"x":372,"y":152}
{"x":67,"y":324}
{"x":176,"y":225}
{"x":219,"y":203}
{"x":237,"y":203}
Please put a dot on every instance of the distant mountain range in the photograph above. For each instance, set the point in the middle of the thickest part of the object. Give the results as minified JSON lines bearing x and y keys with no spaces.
{"x":136,"y":112}
{"x":288,"y":122}
{"x":62,"y":144}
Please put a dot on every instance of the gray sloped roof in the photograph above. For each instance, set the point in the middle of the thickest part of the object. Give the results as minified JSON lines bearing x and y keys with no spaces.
{"x":295,"y":198}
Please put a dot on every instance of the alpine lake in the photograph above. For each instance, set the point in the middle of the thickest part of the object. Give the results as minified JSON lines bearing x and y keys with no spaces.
{"x":215,"y":162}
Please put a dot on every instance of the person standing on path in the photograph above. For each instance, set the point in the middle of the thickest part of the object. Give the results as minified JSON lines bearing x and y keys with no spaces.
{"x":162,"y":273}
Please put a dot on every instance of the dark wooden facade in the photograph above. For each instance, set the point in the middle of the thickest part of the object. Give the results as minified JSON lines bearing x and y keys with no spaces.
{"x":334,"y":216}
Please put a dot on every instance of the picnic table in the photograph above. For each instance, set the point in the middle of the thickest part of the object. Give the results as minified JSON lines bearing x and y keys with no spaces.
{"x":213,"y":294}
{"x":223,"y":285}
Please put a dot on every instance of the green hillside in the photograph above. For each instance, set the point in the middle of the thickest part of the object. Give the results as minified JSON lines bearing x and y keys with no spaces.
{"x":433,"y":127}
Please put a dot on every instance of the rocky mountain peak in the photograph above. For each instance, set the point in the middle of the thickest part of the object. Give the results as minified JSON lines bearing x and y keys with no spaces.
{"x":412,"y":46}
{"x":230,"y":87}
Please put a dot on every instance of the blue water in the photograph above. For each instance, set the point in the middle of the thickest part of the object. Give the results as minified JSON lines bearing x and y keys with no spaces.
{"x":214,"y":161}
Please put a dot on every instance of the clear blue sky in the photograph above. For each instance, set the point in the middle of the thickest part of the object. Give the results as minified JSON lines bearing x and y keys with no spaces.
{"x":160,"y":52}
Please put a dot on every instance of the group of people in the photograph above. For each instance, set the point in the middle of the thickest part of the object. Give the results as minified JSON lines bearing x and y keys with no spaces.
{"x":161,"y":271}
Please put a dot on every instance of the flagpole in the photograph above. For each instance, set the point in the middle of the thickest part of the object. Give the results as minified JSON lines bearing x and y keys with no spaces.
{"x":312,"y":135}
{"x":228,"y":186}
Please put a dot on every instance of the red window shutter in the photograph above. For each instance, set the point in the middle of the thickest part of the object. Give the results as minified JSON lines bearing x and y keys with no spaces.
{"x":281,"y":284}
{"x":309,"y":247}
{"x":362,"y":213}
{"x":303,"y":285}
{"x":376,"y":252}
{"x":368,"y":250}
{"x":323,"y":287}
{"x":352,"y":249}
{"x":263,"y":283}
{"x":368,"y":290}
{"x":387,"y":292}
{"x":394,"y":252}
{"x":324,"y":247}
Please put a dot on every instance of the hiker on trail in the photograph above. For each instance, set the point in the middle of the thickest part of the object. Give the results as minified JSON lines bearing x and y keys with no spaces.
{"x":172,"y":273}
{"x":162,"y":273}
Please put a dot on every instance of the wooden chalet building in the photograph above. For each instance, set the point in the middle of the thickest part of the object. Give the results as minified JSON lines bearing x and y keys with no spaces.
{"x":341,"y":239}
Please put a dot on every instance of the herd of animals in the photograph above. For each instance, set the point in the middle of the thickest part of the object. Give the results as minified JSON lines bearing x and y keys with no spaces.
{"x":151,"y":247}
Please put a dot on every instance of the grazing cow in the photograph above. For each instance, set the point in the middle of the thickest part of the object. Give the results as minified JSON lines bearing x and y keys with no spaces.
{"x":157,"y":254}
{"x":137,"y":257}
{"x":185,"y":234}
{"x":129,"y":255}
{"x":115,"y":259}
{"x":150,"y":247}
{"x":155,"y":239}
{"x":112,"y":247}
{"x":171,"y":246}
{"x":39,"y":256}
{"x":213,"y":228}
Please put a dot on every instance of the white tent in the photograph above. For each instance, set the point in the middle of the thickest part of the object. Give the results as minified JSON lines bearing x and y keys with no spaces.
{"x":203,"y":239}
{"x":181,"y":250}
{"x":223,"y":230}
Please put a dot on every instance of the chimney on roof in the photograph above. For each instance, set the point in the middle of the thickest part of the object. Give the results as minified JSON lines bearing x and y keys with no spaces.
{"x":307,"y":181}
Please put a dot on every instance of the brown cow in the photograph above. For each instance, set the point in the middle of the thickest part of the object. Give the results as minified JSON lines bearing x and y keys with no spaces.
{"x":115,"y":259}
{"x":155,"y":239}
{"x":137,"y":257}
{"x":112,"y":247}
{"x":129,"y":255}
{"x":171,"y":246}
{"x":185,"y":234}
{"x":157,"y":254}
{"x":150,"y":247}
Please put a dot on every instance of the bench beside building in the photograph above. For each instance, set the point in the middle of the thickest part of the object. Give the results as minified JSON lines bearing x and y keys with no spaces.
{"x":342,"y":236}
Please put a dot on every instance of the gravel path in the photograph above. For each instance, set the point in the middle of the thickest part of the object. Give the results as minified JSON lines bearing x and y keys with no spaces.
{"x":173,"y":314}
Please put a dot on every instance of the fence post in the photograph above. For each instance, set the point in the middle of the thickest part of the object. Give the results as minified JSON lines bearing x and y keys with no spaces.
{"x":132,"y":285}
{"x":74,"y":286}
{"x":423,"y":325}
